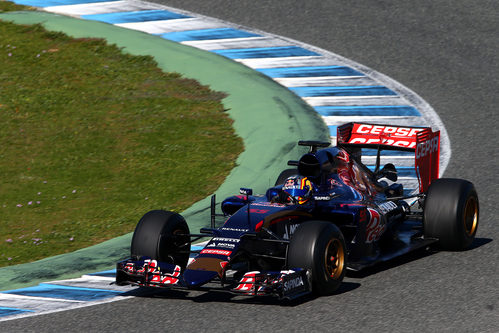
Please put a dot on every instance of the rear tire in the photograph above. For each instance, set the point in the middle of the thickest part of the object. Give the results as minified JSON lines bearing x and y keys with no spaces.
{"x":285,"y":175}
{"x":320,"y":248}
{"x":156,"y":236}
{"x":451,"y":213}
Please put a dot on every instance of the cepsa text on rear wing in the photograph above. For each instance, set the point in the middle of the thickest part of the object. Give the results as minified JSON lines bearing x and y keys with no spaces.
{"x":423,"y":141}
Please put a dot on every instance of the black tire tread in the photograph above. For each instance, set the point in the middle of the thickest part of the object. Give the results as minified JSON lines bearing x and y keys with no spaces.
{"x":306,"y":246}
{"x":443,"y":212}
{"x":152,"y":235}
{"x":285,"y":174}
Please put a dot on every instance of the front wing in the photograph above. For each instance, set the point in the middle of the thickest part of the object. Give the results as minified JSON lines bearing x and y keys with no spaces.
{"x":284,"y":284}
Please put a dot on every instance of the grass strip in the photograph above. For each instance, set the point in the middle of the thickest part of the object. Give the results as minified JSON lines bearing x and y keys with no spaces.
{"x":7,"y":6}
{"x":93,"y":137}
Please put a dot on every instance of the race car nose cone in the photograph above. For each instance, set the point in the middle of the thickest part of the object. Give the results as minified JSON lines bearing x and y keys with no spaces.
{"x":195,"y":278}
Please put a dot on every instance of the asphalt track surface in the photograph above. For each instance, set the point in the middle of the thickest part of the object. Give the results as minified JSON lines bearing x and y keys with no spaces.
{"x":447,"y":52}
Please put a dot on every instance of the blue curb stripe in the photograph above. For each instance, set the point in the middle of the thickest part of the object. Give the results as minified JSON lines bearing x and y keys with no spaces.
{"x":265,"y":52}
{"x":50,"y":3}
{"x":65,"y":292}
{"x":371,"y":110}
{"x":207,"y":34}
{"x":408,"y":191}
{"x":131,"y":17}
{"x":333,"y":130}
{"x":109,"y":273}
{"x":11,"y":311}
{"x":342,"y":91}
{"x":309,"y":71}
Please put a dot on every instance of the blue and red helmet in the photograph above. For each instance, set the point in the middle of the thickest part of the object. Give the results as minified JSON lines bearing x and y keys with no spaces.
{"x":299,"y":188}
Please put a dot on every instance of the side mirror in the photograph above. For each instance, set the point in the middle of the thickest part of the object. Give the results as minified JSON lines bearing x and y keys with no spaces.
{"x":246,"y":191}
{"x":389,"y":172}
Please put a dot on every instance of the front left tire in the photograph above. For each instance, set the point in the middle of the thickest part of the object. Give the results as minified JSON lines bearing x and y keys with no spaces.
{"x":162,"y":235}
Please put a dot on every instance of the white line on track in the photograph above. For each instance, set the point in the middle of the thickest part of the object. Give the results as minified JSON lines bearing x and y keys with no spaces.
{"x":236,"y":43}
{"x":283,"y":62}
{"x":325,"y":81}
{"x":101,"y":8}
{"x":340,"y":120}
{"x":164,"y":26}
{"x":355,"y":100}
{"x":45,"y":306}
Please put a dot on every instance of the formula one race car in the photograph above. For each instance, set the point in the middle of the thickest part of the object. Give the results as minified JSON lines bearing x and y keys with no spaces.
{"x":328,"y":213}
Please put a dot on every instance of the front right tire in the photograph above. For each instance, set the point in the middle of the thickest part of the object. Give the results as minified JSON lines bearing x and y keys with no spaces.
{"x":320,"y":248}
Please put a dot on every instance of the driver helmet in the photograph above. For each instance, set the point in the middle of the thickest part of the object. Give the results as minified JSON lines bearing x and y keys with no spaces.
{"x":299,"y":188}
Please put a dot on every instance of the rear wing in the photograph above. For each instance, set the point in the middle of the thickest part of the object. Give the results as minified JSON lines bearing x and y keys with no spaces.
{"x":421,"y":140}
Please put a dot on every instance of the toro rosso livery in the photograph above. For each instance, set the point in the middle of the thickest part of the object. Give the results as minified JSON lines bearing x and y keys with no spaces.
{"x":326,"y":214}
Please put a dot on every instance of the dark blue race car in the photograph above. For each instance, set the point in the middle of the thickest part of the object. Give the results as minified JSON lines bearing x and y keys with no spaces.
{"x":326,"y":214}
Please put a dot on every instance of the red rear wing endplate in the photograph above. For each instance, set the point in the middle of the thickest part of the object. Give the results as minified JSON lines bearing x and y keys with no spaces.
{"x":427,"y":158}
{"x":421,"y":140}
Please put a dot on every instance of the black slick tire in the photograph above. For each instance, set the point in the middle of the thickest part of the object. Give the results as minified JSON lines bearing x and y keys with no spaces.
{"x":320,"y":248}
{"x":158,"y":236}
{"x":285,"y":175}
{"x":451,"y":213}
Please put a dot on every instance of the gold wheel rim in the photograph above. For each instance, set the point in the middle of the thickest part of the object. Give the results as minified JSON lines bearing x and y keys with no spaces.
{"x":471,"y":216}
{"x":335,"y":258}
